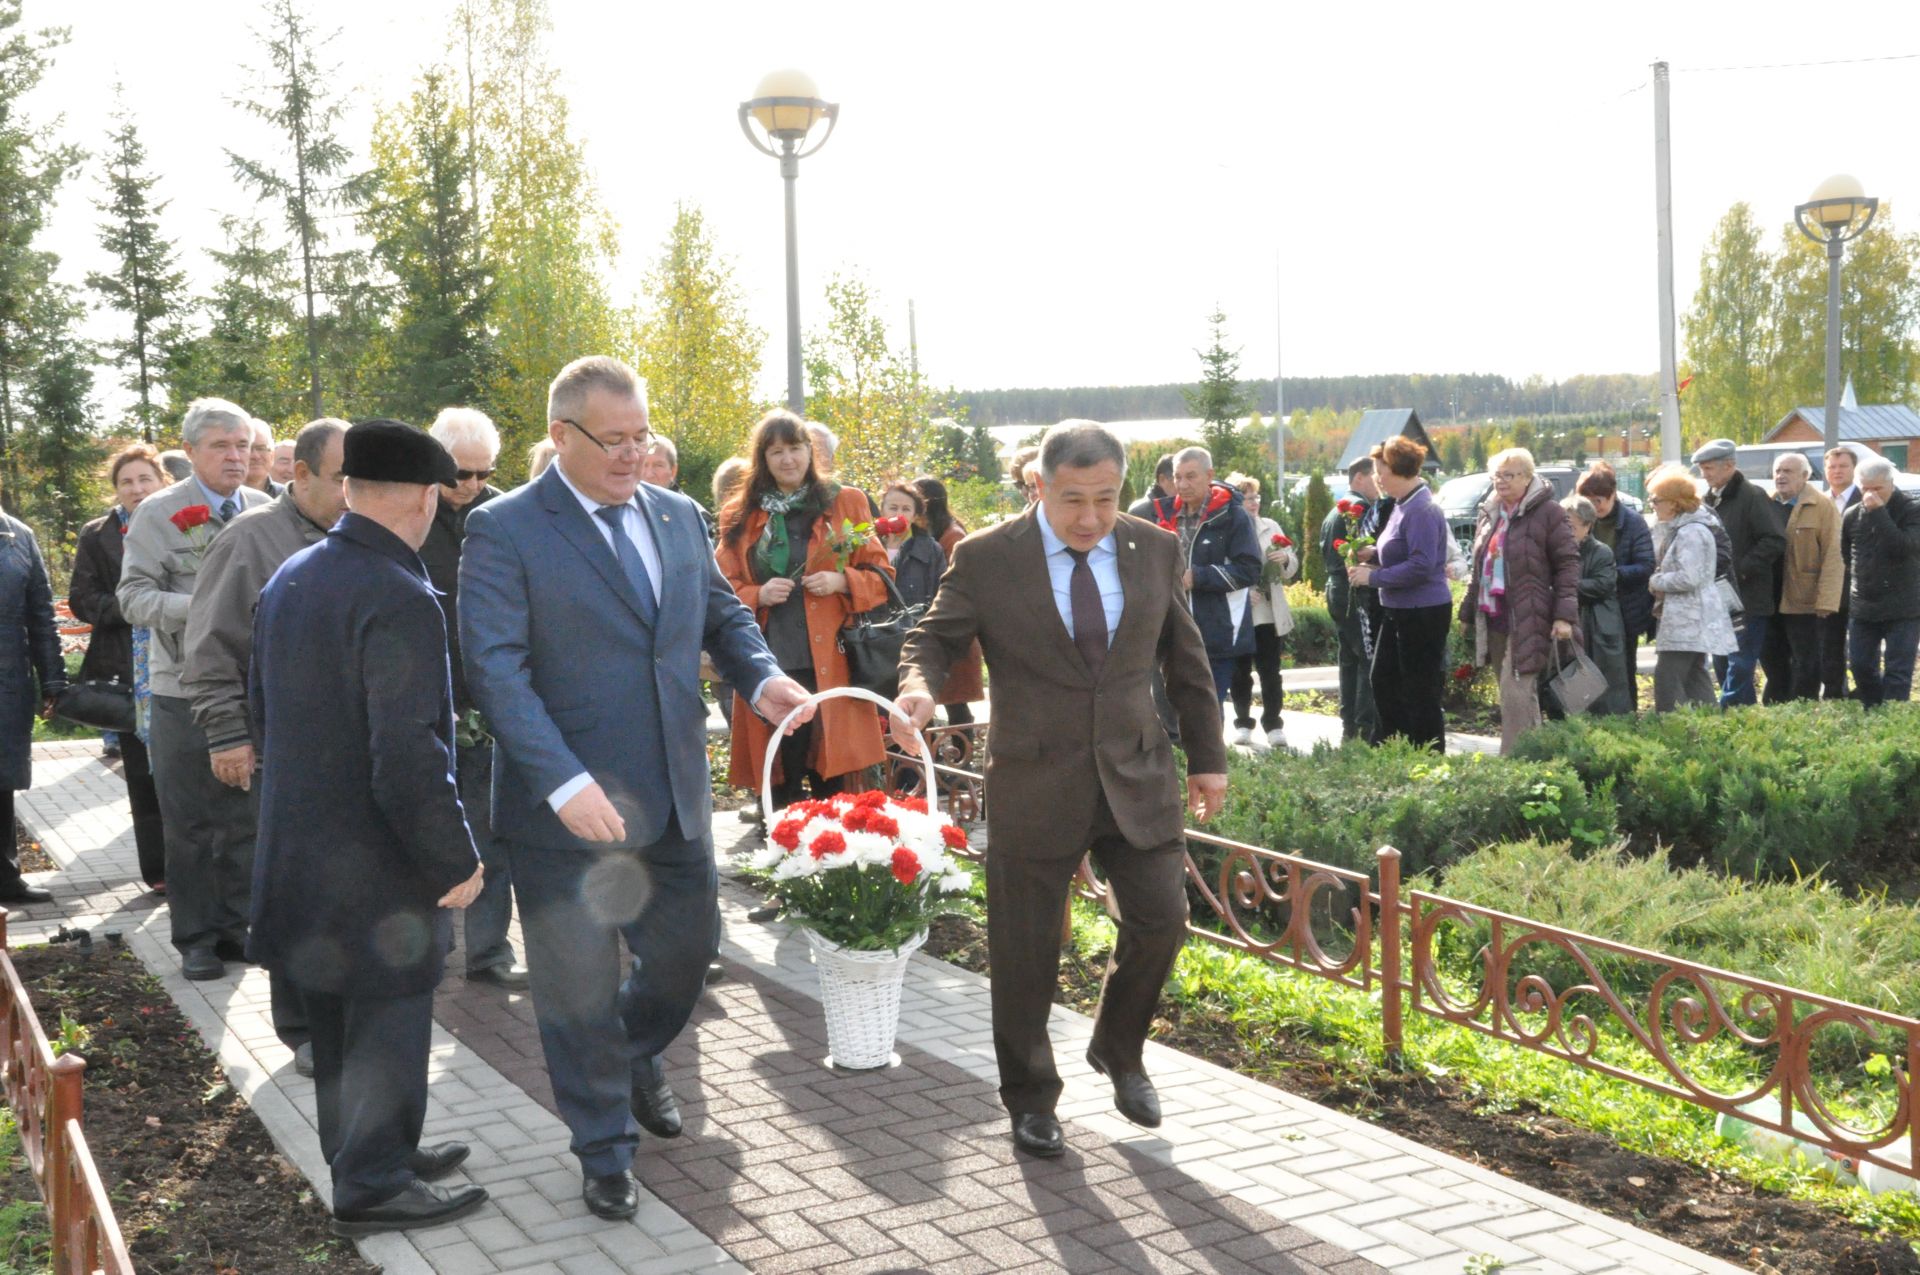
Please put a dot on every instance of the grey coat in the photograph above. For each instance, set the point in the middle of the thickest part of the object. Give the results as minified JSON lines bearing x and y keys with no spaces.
{"x":1693,"y":617}
{"x":159,"y":571}
{"x":29,"y":649}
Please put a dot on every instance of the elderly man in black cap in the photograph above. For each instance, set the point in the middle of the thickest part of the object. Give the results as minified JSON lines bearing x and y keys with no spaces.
{"x":1758,"y":543}
{"x":363,"y":843}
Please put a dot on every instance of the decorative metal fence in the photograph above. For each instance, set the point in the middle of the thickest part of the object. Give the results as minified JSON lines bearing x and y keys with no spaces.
{"x":1623,"y":1012}
{"x":44,"y":1094}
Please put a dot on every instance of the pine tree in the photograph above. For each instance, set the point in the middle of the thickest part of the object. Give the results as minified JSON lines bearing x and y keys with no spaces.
{"x":427,"y":237}
{"x":1220,"y":399}
{"x":32,"y":167}
{"x":145,"y":284}
{"x":1313,"y":568}
{"x":312,"y":179}
{"x":250,"y":351}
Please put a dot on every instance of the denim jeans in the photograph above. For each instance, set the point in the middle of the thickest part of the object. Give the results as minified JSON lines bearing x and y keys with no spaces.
{"x":1874,"y":681}
{"x":1735,"y":672}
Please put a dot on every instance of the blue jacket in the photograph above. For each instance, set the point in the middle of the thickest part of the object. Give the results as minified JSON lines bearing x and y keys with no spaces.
{"x":1633,"y":561}
{"x":1226,"y":561}
{"x":361,"y":829}
{"x":570,"y":677}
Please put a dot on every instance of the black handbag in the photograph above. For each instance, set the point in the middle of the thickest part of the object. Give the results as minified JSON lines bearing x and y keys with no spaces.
{"x":103,"y":705}
{"x":872,"y":639}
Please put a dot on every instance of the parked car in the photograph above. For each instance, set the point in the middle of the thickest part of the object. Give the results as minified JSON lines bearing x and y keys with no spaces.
{"x":1460,"y":498}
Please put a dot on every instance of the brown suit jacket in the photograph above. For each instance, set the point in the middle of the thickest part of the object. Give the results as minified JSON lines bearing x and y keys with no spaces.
{"x":1057,"y":737}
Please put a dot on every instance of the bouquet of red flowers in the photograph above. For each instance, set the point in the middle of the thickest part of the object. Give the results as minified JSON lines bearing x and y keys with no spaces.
{"x":1276,"y":570}
{"x":891,"y":525}
{"x":192,"y":522}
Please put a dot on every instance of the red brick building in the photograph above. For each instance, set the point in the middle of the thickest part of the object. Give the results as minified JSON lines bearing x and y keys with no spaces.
{"x":1892,"y":429}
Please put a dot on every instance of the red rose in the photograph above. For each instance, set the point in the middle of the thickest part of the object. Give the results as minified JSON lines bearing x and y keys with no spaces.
{"x":1464,"y":673}
{"x":190,"y":517}
{"x":954,"y":837}
{"x":891,"y":525}
{"x":906,"y":865}
{"x":1280,"y":540}
{"x":1339,"y":544}
{"x":827,"y":843}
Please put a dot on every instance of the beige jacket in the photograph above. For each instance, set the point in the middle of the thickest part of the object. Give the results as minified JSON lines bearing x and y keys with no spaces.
{"x":159,"y":570}
{"x":1814,"y":572}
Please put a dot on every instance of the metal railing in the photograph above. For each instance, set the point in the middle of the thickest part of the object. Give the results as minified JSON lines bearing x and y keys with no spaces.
{"x":1554,"y":991}
{"x":44,"y":1093}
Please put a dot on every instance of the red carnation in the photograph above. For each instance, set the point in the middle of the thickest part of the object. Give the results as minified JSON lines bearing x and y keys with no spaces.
{"x":879,"y":821}
{"x":1464,"y":673}
{"x":190,"y":517}
{"x":906,"y":865}
{"x":916,"y":804}
{"x":871,"y":799}
{"x":827,"y":843}
{"x":891,"y":525}
{"x":954,"y":837}
{"x":786,"y":834}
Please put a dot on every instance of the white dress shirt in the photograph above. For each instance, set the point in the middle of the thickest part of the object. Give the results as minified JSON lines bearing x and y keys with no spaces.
{"x":1103,"y":559}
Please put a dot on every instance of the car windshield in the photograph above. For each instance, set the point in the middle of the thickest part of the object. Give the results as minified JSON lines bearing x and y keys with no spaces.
{"x":1463,"y":494}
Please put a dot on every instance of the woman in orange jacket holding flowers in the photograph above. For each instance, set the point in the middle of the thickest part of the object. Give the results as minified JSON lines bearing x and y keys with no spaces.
{"x":801,"y":553}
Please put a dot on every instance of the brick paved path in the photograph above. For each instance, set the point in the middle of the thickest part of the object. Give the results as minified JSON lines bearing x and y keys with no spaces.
{"x":787,"y":1166}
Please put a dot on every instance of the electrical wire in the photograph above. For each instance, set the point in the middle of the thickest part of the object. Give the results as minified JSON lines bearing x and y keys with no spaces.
{"x":1788,"y":66}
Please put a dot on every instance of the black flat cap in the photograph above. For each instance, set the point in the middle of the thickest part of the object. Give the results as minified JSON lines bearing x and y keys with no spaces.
{"x":387,"y":451}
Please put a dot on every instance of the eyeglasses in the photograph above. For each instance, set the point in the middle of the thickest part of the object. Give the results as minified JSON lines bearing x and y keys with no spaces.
{"x":1502,"y":476}
{"x":463,"y":475}
{"x":635,"y":446}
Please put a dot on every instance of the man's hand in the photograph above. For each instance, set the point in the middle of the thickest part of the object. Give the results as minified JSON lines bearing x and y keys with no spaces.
{"x":919,"y":709}
{"x":1205,"y":795}
{"x":466,"y":892}
{"x":822,"y":583}
{"x":1186,"y":580}
{"x":1871,"y":499}
{"x":589,"y":816}
{"x":1562,"y":631}
{"x":776,"y":591}
{"x":781,"y":697}
{"x":234,"y":767}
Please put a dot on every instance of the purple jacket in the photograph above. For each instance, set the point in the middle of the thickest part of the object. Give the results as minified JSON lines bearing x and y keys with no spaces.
{"x":1413,"y":554}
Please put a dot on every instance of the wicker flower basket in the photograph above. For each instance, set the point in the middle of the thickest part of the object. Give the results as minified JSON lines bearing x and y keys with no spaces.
{"x":859,"y":990}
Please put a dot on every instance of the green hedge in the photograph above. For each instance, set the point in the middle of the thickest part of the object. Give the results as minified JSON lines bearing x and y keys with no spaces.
{"x":1340,"y":805}
{"x":1313,"y":640}
{"x":1775,"y":791}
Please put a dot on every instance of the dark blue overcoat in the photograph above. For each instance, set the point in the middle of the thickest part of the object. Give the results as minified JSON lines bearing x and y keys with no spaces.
{"x":361,"y":829}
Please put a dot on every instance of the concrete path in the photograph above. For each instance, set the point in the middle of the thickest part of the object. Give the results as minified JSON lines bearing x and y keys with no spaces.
{"x":787,"y":1166}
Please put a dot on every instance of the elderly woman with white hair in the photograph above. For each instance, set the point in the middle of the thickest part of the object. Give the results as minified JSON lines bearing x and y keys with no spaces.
{"x":473,"y":442}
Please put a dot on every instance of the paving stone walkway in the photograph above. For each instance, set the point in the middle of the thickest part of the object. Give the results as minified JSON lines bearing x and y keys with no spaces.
{"x":789,"y":1166}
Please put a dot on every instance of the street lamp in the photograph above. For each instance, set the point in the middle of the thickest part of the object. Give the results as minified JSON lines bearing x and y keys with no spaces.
{"x":1838,"y":211}
{"x":787,"y":106}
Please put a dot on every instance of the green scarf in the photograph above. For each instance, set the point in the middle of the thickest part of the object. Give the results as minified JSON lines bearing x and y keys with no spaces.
{"x":773,"y":555}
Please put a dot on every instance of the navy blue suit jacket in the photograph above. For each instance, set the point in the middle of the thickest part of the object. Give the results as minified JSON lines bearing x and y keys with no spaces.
{"x":570,"y":677}
{"x":361,"y":829}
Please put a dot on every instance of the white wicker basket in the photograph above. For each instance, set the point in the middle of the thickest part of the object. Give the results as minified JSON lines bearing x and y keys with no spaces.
{"x":859,"y":991}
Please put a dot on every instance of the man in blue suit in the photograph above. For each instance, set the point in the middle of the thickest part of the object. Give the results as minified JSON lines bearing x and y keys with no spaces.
{"x":585,"y":601}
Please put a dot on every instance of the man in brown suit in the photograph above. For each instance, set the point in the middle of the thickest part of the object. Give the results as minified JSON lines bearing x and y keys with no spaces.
{"x":1075,"y":605}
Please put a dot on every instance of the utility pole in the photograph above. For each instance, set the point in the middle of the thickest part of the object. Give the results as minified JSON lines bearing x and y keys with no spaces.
{"x":1280,"y":400}
{"x":1663,"y":215}
{"x":913,"y":344}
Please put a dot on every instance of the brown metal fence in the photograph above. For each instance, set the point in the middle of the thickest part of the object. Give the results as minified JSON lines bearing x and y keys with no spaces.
{"x":1623,"y":1012}
{"x":44,"y":1094}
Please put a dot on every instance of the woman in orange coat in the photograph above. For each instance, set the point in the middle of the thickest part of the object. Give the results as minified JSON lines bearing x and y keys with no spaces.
{"x":777,"y":538}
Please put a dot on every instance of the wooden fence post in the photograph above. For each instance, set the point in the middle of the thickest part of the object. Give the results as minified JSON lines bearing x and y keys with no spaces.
{"x":63,"y":1103}
{"x":1390,"y":1012}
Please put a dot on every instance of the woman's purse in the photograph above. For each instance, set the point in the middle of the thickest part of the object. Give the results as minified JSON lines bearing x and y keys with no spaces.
{"x":1578,"y":683}
{"x":100,"y":704}
{"x":871,"y":640}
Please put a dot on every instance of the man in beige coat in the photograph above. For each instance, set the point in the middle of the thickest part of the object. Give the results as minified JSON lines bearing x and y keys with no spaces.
{"x":1811,"y":576}
{"x":1075,"y":606}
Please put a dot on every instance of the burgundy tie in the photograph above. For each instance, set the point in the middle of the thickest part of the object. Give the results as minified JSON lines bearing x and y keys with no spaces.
{"x":1089,"y":615}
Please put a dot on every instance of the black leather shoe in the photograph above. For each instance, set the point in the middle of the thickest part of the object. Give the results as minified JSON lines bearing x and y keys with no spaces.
{"x":231,"y":950}
{"x":764,"y":913}
{"x":715,"y":971}
{"x":201,"y":964}
{"x":18,"y":891}
{"x":1133,"y":1094}
{"x":614,"y":1197}
{"x":429,"y":1163}
{"x":1038,"y":1133}
{"x":511,"y":977}
{"x":417,"y":1206}
{"x":303,"y":1060}
{"x":655,"y":1107}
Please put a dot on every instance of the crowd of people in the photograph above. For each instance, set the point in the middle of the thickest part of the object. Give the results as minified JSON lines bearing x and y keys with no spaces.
{"x":371,"y":690}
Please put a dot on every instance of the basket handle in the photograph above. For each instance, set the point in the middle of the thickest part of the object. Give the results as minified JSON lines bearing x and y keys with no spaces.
{"x":838,"y":692}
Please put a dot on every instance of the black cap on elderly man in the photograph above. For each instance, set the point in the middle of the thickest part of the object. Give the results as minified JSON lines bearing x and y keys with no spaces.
{"x":389,"y":451}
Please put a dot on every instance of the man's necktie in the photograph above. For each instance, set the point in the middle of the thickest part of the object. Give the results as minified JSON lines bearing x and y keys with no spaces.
{"x":630,"y":560}
{"x":1089,"y":614}
{"x":228,"y":508}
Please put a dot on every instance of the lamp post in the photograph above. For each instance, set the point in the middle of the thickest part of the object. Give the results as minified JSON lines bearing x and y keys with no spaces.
{"x":1839,"y":210}
{"x":787,"y":106}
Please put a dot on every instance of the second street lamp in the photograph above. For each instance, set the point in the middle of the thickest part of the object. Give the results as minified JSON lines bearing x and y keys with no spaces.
{"x":1839,"y":210}
{"x":786,"y":106}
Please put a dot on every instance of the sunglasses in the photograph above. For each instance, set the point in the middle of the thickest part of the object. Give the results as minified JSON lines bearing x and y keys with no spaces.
{"x":462,"y":475}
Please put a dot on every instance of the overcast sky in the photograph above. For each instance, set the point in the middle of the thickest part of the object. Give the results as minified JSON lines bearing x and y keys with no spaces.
{"x":1066,"y":190}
